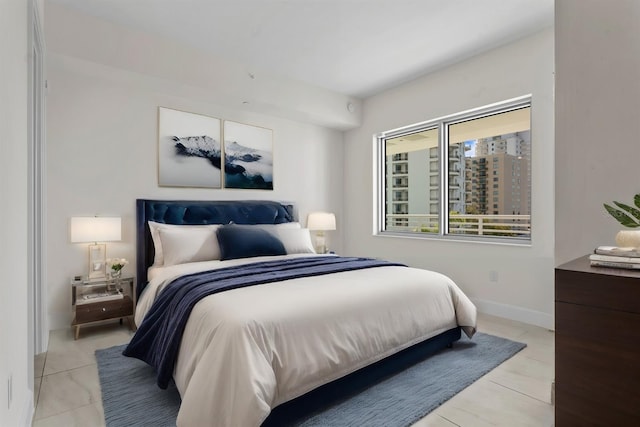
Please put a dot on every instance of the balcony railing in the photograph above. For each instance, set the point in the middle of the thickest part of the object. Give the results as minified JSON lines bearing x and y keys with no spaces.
{"x":518,"y":226}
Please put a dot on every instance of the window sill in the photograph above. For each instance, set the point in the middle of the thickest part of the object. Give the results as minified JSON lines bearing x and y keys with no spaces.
{"x":456,"y":239}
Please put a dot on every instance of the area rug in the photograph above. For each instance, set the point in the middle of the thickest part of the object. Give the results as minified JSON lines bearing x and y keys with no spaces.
{"x":131,"y":398}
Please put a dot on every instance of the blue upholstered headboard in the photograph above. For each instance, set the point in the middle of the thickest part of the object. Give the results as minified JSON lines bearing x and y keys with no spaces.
{"x":190,"y":212}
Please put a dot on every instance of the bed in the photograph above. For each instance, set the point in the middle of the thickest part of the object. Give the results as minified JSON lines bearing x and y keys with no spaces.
{"x":244,"y":350}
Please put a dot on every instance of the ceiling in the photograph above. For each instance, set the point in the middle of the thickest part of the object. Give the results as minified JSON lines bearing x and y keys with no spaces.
{"x":354,"y":47}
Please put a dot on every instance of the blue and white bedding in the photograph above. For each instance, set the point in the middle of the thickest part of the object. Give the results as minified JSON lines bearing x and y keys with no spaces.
{"x":158,"y":337}
{"x":246,"y":350}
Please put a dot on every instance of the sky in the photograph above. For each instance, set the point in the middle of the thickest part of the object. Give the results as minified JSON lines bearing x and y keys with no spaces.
{"x":470,"y":148}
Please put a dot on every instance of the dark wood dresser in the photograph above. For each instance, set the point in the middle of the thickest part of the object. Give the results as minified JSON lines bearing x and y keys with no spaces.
{"x":597,"y":317}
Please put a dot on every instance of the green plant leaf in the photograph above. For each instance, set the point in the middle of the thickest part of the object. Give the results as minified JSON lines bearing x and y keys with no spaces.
{"x":630,"y":209}
{"x":621,"y":217}
{"x":636,"y":200}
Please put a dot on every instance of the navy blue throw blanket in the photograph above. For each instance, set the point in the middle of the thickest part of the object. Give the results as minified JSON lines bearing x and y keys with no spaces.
{"x":157,"y":340}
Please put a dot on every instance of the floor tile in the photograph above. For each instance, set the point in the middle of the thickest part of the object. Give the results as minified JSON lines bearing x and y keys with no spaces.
{"x":501,"y":327}
{"x":38,"y":364}
{"x":64,"y":391}
{"x":434,"y":420}
{"x":86,"y":416}
{"x":485,"y":403}
{"x":64,"y":361}
{"x":65,"y":353}
{"x":526,"y":376}
{"x":36,"y":390}
{"x":538,"y":336}
{"x":516,"y":393}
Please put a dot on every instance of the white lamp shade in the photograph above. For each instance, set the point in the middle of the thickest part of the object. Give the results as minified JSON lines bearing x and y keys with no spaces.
{"x":321,"y":221}
{"x":96,"y":229}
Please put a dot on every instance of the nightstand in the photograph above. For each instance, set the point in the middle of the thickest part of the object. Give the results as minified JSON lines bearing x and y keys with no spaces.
{"x":100,"y":300}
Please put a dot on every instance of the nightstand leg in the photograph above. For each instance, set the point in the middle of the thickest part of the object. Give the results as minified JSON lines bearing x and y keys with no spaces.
{"x":77,"y":332}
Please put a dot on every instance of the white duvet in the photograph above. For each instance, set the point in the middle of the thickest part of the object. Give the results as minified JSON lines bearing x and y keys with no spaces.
{"x":247,"y":350}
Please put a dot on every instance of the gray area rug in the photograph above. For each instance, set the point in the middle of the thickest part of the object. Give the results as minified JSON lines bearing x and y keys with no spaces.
{"x":131,"y":398}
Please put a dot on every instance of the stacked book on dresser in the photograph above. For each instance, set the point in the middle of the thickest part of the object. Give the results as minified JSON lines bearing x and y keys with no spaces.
{"x":615,"y":257}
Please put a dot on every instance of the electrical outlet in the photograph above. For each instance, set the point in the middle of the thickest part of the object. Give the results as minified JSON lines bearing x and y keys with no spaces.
{"x":493,"y":276}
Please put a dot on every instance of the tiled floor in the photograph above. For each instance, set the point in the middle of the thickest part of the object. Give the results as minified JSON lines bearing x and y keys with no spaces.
{"x":517,"y":393}
{"x":67,"y":391}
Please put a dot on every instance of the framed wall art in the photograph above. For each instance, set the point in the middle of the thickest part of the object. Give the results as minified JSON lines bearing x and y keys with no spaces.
{"x":189,"y":149}
{"x":248,"y":156}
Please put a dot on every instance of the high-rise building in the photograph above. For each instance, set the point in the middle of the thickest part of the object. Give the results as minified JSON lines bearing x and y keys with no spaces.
{"x":496,"y":185}
{"x":498,"y":178}
{"x":397,"y":188}
{"x":413,"y":185}
{"x":492,"y":179}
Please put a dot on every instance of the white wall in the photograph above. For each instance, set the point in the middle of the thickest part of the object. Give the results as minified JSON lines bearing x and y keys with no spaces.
{"x":524,"y":289}
{"x":597,"y":119}
{"x":219,"y":80}
{"x":14,"y":303}
{"x":102,"y":151}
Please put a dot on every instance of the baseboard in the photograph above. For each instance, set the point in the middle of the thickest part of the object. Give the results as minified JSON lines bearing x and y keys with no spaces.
{"x":26,"y":418}
{"x":520,"y":314}
{"x":59,"y":321}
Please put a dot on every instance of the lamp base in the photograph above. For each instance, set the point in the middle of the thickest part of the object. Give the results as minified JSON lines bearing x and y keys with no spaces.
{"x":97,"y":261}
{"x":321,"y":243}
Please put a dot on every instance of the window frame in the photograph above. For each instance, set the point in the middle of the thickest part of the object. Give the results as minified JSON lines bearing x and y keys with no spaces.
{"x":442,"y":124}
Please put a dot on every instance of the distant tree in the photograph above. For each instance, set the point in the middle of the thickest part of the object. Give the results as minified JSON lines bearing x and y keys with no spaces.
{"x":473,"y":210}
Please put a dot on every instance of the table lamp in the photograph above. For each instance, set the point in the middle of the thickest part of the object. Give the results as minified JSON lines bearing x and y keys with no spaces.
{"x":321,"y":222}
{"x":96,"y":229}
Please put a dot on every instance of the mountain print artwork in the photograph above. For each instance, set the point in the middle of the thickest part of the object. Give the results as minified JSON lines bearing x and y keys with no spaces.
{"x":248,"y":157}
{"x":192,"y":152}
{"x":246,"y":167}
{"x":200,"y":146}
{"x":189,"y":149}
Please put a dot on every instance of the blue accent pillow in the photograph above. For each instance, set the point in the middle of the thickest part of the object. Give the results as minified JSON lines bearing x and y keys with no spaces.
{"x":245,"y":241}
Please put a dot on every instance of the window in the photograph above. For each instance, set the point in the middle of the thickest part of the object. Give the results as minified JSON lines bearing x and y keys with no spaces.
{"x":446,"y":171}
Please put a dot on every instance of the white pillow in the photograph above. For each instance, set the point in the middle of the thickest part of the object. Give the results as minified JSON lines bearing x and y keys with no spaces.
{"x":155,"y":227}
{"x":284,"y":225}
{"x":295,"y":240}
{"x":189,"y":244}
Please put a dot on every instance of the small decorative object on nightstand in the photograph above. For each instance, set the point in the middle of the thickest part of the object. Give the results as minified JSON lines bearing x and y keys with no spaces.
{"x":99,"y":300}
{"x":628,"y":216}
{"x":115,"y":268}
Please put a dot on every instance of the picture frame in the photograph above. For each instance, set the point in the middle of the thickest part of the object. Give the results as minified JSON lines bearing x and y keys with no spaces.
{"x":189,"y":149}
{"x":248,"y":156}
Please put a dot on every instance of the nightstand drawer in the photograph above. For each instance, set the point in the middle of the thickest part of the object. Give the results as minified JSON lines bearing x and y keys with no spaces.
{"x":601,"y":287}
{"x":104,"y":310}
